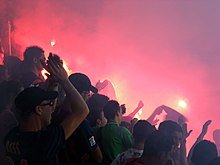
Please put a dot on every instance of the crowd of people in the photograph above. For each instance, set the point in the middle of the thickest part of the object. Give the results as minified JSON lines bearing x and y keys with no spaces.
{"x":63,"y":120}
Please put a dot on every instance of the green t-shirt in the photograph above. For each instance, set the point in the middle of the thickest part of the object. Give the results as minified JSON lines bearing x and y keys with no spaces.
{"x":114,"y":140}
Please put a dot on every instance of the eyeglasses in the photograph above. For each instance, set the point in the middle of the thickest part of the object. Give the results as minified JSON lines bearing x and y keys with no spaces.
{"x":51,"y":103}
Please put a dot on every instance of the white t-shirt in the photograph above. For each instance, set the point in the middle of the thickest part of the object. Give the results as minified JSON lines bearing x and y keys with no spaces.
{"x":122,"y":158}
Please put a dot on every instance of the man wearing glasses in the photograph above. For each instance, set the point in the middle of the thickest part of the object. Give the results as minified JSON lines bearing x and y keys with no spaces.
{"x":36,"y":141}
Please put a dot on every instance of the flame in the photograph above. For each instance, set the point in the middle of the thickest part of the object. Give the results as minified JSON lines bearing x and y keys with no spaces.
{"x":44,"y":72}
{"x":139,"y":114}
{"x":69,"y":71}
{"x":53,"y":43}
{"x":182,"y":104}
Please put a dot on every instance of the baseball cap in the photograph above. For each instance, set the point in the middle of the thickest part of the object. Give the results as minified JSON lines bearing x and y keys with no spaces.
{"x":82,"y":83}
{"x":30,"y":97}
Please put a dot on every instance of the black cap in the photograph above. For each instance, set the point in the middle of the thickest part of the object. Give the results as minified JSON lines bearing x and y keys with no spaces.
{"x":30,"y":97}
{"x":82,"y":83}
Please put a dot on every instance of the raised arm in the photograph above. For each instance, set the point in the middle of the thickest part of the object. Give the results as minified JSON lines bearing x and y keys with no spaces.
{"x":74,"y":102}
{"x":133,"y":113}
{"x":199,"y":139}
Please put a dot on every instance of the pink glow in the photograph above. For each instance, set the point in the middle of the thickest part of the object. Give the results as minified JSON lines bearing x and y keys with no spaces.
{"x":153,"y":51}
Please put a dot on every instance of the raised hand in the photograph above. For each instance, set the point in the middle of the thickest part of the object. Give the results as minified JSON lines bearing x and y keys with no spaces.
{"x":205,"y":127}
{"x":56,"y":69}
{"x":185,"y":131}
{"x":101,"y":85}
{"x":140,"y":104}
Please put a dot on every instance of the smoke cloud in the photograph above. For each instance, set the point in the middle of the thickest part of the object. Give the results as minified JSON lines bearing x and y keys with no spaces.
{"x":155,"y":51}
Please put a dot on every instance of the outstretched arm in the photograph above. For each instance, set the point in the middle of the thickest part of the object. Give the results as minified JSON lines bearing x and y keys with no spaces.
{"x":133,"y":113}
{"x":183,"y":159}
{"x":199,"y":139}
{"x":156,"y":112}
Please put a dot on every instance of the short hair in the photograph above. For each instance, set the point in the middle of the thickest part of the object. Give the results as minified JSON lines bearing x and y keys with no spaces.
{"x":110,"y":109}
{"x":142,"y":129}
{"x":96,"y":103}
{"x":157,"y":143}
{"x":169,"y":127}
{"x":204,"y":152}
{"x":32,"y":52}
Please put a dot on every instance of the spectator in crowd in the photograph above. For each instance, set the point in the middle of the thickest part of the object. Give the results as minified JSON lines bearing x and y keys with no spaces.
{"x":204,"y":152}
{"x":32,"y":65}
{"x":199,"y":139}
{"x":8,"y":91}
{"x":35,"y":140}
{"x":113,"y":138}
{"x":157,"y":151}
{"x":174,"y":131}
{"x":96,"y":115}
{"x":81,"y":147}
{"x":142,"y":130}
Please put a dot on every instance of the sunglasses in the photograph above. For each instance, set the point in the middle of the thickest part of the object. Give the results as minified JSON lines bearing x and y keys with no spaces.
{"x":51,"y":103}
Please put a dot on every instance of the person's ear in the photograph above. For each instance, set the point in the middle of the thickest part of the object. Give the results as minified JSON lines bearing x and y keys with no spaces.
{"x":35,"y":60}
{"x":98,"y":122}
{"x":38,"y":110}
{"x":118,"y":113}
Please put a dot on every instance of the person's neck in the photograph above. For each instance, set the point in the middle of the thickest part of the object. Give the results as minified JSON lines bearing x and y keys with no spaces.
{"x":32,"y":124}
{"x":117,"y":120}
{"x":138,"y":146}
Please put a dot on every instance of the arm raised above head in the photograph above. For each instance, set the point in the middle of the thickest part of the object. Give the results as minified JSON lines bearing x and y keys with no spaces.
{"x":73,"y":101}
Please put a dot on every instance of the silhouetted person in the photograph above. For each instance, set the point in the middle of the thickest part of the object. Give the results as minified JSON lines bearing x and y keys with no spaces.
{"x":199,"y":139}
{"x":142,"y":130}
{"x":35,"y":141}
{"x":173,"y":130}
{"x":8,"y":91}
{"x":113,"y":138}
{"x":81,"y":147}
{"x":204,"y":152}
{"x":96,"y":115}
{"x":32,"y":66}
{"x":157,"y":151}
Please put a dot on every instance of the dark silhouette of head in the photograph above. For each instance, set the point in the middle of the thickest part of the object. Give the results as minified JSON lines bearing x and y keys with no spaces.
{"x":172,"y":129}
{"x":33,"y":59}
{"x":204,"y":152}
{"x":141,"y":131}
{"x":96,"y":104}
{"x":83,"y":84}
{"x":32,"y":52}
{"x":112,"y":109}
{"x":157,"y":148}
